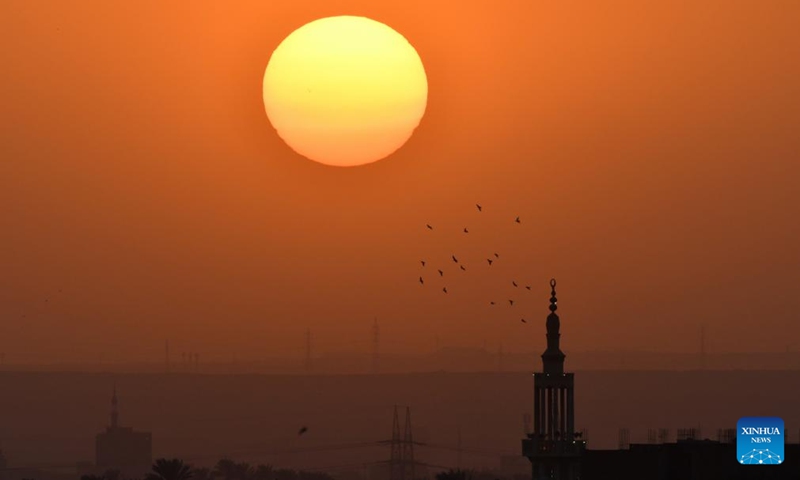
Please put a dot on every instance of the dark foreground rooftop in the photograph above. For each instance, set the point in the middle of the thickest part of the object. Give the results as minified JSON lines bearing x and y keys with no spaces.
{"x":684,"y":460}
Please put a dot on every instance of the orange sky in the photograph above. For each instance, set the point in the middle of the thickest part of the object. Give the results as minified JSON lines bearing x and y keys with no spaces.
{"x":651,"y":149}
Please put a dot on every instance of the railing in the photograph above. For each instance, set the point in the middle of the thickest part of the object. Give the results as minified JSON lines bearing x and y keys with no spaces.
{"x":545,"y":447}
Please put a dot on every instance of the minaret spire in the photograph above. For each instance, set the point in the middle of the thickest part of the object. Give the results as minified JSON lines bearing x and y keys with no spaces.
{"x":553,"y":357}
{"x":114,"y":409}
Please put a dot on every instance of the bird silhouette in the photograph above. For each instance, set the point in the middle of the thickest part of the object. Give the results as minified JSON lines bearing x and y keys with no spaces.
{"x":528,"y":287}
{"x":429,"y":226}
{"x":302,"y":430}
{"x":444,"y":289}
{"x":465,"y":230}
{"x":490,"y":261}
{"x":517,"y":220}
{"x":491,"y":303}
{"x":523,"y":320}
{"x":441,"y":273}
{"x":513,"y":283}
{"x":480,"y":209}
{"x":496,"y":255}
{"x":421,"y":281}
{"x":511,"y":302}
{"x":463,"y":267}
{"x":422,"y":262}
{"x":455,"y":259}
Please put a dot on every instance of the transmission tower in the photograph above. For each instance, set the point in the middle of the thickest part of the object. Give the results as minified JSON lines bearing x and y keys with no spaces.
{"x":375,"y":343}
{"x":396,"y":464}
{"x":408,"y":449}
{"x":308,"y":351}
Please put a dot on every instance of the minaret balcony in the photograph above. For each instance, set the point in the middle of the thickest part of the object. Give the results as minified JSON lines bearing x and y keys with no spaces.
{"x":534,"y":447}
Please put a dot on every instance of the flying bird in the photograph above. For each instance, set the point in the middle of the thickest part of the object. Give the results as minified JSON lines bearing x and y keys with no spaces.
{"x":455,"y":259}
{"x":429,"y":226}
{"x":513,"y":283}
{"x":491,"y":303}
{"x":480,"y":209}
{"x":463,"y":267}
{"x":444,"y":289}
{"x":490,"y":261}
{"x":465,"y":230}
{"x":302,"y":430}
{"x":496,"y":255}
{"x":421,"y":281}
{"x":511,"y":302}
{"x":422,"y":262}
{"x":517,"y":220}
{"x":528,"y":287}
{"x":523,"y":320}
{"x":441,"y":273}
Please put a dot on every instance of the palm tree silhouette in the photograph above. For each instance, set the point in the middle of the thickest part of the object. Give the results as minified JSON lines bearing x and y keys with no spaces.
{"x":174,"y":469}
{"x":263,"y":472}
{"x":227,"y":469}
{"x":202,"y":474}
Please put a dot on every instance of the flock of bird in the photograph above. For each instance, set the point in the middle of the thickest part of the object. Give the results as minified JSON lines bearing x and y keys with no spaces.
{"x":489,"y":261}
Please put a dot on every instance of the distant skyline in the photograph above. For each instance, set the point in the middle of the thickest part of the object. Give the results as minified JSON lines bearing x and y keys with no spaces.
{"x":650,"y":150}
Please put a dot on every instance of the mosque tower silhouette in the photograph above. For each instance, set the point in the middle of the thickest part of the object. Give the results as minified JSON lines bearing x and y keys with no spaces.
{"x":553,"y":448}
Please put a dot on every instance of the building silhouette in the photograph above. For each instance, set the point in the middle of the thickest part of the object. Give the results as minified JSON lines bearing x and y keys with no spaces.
{"x":557,"y":452}
{"x":122,"y":448}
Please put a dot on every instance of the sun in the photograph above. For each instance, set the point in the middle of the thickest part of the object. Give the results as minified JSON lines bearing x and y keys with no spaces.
{"x":345,"y":91}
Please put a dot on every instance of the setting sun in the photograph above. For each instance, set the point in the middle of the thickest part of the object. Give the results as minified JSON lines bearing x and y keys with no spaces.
{"x":345,"y":91}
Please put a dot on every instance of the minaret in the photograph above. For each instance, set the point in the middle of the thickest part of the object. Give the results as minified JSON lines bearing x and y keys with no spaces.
{"x":114,"y":409}
{"x":553,"y":448}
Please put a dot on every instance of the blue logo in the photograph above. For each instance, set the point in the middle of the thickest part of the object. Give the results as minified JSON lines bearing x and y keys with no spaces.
{"x":759,"y":441}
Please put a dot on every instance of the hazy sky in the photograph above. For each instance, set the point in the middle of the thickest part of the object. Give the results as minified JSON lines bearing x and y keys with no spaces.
{"x":650,"y":148}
